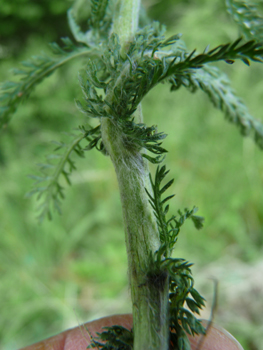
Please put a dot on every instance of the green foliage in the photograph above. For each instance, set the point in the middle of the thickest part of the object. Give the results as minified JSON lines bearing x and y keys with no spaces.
{"x":34,"y":71}
{"x":228,"y":53}
{"x":247,"y":16}
{"x":98,"y":11}
{"x":168,"y":228}
{"x":182,"y":293}
{"x":144,"y":137}
{"x":218,"y":88}
{"x":181,"y":283}
{"x":115,"y":337}
{"x":130,"y":79}
{"x":50,"y":189}
{"x":98,"y":22}
{"x":124,"y":80}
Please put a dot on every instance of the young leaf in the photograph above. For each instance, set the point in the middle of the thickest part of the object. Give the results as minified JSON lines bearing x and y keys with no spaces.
{"x":168,"y":228}
{"x":34,"y":71}
{"x":52,"y":191}
{"x":98,"y":10}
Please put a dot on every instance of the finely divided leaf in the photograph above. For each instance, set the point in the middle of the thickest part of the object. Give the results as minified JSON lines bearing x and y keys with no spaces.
{"x":51,"y":190}
{"x":98,"y":11}
{"x":217,"y":86}
{"x":33,"y":72}
{"x":247,"y":17}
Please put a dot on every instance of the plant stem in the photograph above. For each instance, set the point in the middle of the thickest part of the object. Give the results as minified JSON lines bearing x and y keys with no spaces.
{"x":126,"y":21}
{"x":149,"y":300}
{"x":150,"y":304}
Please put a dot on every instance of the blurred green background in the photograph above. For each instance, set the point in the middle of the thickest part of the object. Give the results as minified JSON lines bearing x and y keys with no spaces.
{"x":73,"y":269}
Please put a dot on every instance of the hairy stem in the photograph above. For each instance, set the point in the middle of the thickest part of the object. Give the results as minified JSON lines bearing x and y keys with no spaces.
{"x":126,"y":21}
{"x":150,"y":304}
{"x":149,"y":300}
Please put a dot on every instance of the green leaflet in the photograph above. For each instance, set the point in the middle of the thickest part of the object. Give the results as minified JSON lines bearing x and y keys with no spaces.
{"x":168,"y":228}
{"x":181,"y":283}
{"x":145,"y":70}
{"x":251,"y":50}
{"x":47,"y":186}
{"x":33,"y":72}
{"x":218,"y":88}
{"x":247,"y":17}
{"x":98,"y":11}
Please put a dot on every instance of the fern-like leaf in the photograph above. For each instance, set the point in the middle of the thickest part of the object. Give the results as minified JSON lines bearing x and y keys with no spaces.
{"x":140,"y":73}
{"x":33,"y":72}
{"x":140,"y":136}
{"x":247,"y":17}
{"x":98,"y":11}
{"x":181,"y":284}
{"x":251,"y":50}
{"x":48,"y":186}
{"x":218,"y":88}
{"x":168,"y":228}
{"x":129,"y":80}
{"x":181,"y":294}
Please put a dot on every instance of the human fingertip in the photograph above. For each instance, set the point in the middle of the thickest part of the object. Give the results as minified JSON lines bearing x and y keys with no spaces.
{"x":217,"y":338}
{"x":232,"y":339}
